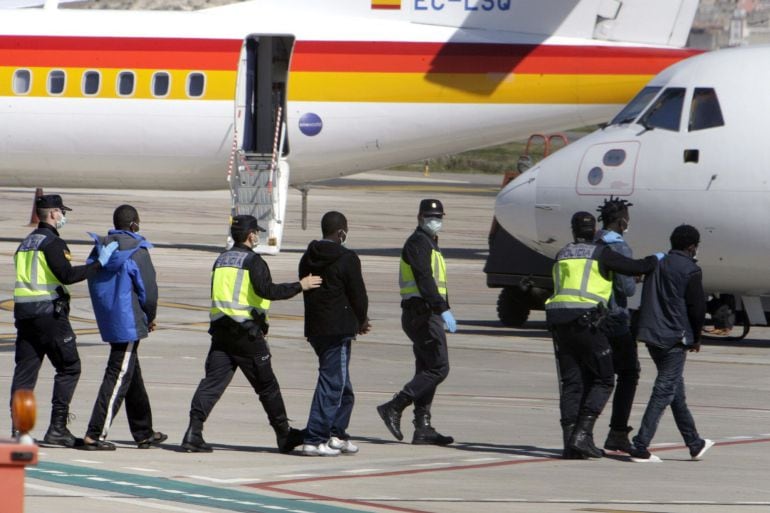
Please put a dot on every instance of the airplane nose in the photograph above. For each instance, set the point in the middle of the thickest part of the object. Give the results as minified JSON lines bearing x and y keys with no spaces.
{"x":515,"y":207}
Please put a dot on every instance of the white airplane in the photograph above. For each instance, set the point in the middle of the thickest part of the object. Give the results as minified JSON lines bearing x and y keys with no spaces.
{"x":269,"y":93}
{"x":690,"y":148}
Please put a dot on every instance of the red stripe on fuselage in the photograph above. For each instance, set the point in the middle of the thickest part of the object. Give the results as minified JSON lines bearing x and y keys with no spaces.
{"x":400,"y":57}
{"x":119,"y":52}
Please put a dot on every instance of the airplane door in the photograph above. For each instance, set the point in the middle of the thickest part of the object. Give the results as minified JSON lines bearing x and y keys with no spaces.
{"x":263,"y":74}
{"x":608,"y":169}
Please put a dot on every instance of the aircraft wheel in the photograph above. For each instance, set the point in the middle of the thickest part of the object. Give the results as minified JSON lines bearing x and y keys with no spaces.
{"x":512,"y":307}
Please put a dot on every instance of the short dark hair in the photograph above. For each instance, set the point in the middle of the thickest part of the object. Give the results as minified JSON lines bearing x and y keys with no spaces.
{"x":612,"y":210}
{"x":124,"y":216}
{"x":684,"y":236}
{"x":240,"y":236}
{"x":333,"y":221}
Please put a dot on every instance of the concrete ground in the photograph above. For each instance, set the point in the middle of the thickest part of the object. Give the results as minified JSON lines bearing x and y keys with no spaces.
{"x":499,"y":402}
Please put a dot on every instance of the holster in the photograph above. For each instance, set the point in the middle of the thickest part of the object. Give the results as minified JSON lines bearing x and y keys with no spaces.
{"x":61,"y":305}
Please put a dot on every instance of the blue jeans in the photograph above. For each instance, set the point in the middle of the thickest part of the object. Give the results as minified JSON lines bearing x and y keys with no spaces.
{"x":668,"y":390}
{"x":333,"y":399}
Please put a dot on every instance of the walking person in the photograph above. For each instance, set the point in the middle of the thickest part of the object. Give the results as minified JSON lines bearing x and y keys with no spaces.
{"x":670,"y":323}
{"x":582,"y":276}
{"x":241,"y":292}
{"x":334,"y":314}
{"x":613,"y":214}
{"x":425,"y":312}
{"x":41,"y":306}
{"x":124,"y":295}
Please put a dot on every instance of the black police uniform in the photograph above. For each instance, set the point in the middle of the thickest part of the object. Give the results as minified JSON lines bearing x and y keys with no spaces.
{"x":242,"y":346}
{"x":47,"y":331}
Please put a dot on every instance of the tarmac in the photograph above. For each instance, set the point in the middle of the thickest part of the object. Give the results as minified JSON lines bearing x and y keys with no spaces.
{"x":500,"y":401}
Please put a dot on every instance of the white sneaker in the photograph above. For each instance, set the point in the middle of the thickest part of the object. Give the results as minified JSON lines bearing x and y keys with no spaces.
{"x":321,"y":449}
{"x":707,"y":444}
{"x":344,"y":446}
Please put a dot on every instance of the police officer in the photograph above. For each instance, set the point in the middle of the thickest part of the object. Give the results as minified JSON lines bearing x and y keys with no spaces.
{"x":241,"y":291}
{"x":41,"y":309}
{"x":582,"y":276}
{"x":425,"y":311}
{"x":613,"y":214}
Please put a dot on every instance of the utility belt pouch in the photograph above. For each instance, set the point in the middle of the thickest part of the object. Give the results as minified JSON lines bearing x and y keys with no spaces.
{"x":416,"y":305}
{"x":61,"y":305}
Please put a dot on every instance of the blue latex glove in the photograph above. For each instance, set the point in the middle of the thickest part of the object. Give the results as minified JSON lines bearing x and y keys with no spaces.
{"x":660,"y":256}
{"x":449,"y":320}
{"x":106,"y":252}
{"x":612,"y":237}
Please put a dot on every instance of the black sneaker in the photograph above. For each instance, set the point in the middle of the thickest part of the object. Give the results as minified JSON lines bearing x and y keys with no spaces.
{"x":639,"y":455}
{"x":704,"y":445}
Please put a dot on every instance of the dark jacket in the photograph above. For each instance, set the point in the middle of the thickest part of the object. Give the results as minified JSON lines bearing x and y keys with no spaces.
{"x":609,"y":262}
{"x":229,"y":336}
{"x":339,"y":306}
{"x":673,"y":303}
{"x":417,"y":253}
{"x":623,"y":287}
{"x":124,"y":293}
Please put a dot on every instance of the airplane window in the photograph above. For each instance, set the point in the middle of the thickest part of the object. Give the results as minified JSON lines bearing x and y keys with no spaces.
{"x":704,"y":110}
{"x":160,"y":83}
{"x":614,"y":158}
{"x":56,"y":81}
{"x":195,"y":84}
{"x":125,"y":83}
{"x":22,"y":81}
{"x":635,"y":106}
{"x":666,"y":111}
{"x":91,"y":83}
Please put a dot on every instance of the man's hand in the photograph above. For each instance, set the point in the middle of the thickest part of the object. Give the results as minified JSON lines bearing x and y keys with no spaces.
{"x":151,"y":327}
{"x":106,"y":252}
{"x":365,"y":328}
{"x":449,"y":321}
{"x":695,"y":348}
{"x":310,"y":282}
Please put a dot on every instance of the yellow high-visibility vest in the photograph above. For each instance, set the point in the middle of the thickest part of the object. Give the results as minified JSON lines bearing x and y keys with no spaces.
{"x":408,"y":285}
{"x":35,"y":282}
{"x":231,"y":291}
{"x":578,"y":284}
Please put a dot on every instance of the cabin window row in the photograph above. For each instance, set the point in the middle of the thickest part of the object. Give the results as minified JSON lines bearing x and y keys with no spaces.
{"x":91,"y":83}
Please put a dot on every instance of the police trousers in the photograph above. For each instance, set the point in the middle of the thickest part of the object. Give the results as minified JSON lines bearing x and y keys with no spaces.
{"x":51,"y":337}
{"x":258,"y":370}
{"x":431,"y":358}
{"x":585,"y":371}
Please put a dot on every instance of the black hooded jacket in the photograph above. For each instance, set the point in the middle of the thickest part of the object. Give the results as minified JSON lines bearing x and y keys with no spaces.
{"x":339,"y":306}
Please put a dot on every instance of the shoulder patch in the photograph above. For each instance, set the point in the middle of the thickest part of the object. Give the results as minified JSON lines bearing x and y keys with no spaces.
{"x":67,"y":255}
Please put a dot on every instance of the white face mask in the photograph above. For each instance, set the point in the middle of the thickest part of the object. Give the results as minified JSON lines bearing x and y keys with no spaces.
{"x":432,"y":225}
{"x":61,"y":221}
{"x":344,"y":239}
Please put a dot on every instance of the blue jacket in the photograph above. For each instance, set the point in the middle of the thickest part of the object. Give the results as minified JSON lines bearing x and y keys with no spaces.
{"x":124,"y":293}
{"x":623,"y":287}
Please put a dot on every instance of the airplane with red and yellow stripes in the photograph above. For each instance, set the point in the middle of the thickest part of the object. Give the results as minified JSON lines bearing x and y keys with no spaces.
{"x":167,"y":100}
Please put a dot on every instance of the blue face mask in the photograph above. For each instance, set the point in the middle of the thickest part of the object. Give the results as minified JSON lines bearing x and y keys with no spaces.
{"x":61,"y":222}
{"x":432,"y":225}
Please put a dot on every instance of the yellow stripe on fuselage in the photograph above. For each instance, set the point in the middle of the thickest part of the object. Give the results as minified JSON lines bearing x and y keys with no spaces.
{"x":219,"y":85}
{"x":464,"y":88}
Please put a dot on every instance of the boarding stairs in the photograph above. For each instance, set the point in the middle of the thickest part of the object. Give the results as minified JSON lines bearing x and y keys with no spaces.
{"x":259,"y":184}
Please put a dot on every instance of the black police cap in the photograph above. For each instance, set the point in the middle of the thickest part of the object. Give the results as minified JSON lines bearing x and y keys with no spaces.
{"x":245,"y":223}
{"x":50,"y":201}
{"x":583,"y":221}
{"x":431,"y":207}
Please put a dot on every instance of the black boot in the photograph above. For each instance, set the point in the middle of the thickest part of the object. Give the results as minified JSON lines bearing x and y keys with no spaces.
{"x":193,"y":438}
{"x":424,"y":434}
{"x":582,"y":440}
{"x":390,"y":413}
{"x":287,"y":437}
{"x":57,"y":433}
{"x":568,"y":453}
{"x":617,"y":440}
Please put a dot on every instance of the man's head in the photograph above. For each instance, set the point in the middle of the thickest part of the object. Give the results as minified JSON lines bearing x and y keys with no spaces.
{"x":583,"y":226}
{"x":613,"y":214}
{"x":126,"y":218}
{"x":334,"y":227}
{"x":245,"y":230}
{"x":685,"y":238}
{"x":50,"y":209}
{"x":430,"y":215}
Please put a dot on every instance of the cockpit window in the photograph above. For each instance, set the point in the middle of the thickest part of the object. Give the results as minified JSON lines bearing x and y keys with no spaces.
{"x":704,"y":110}
{"x":640,"y":101}
{"x":666,"y":111}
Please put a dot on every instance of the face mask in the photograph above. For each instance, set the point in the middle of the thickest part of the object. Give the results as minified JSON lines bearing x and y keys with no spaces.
{"x":61,"y":222}
{"x":344,"y":239}
{"x":432,"y":225}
